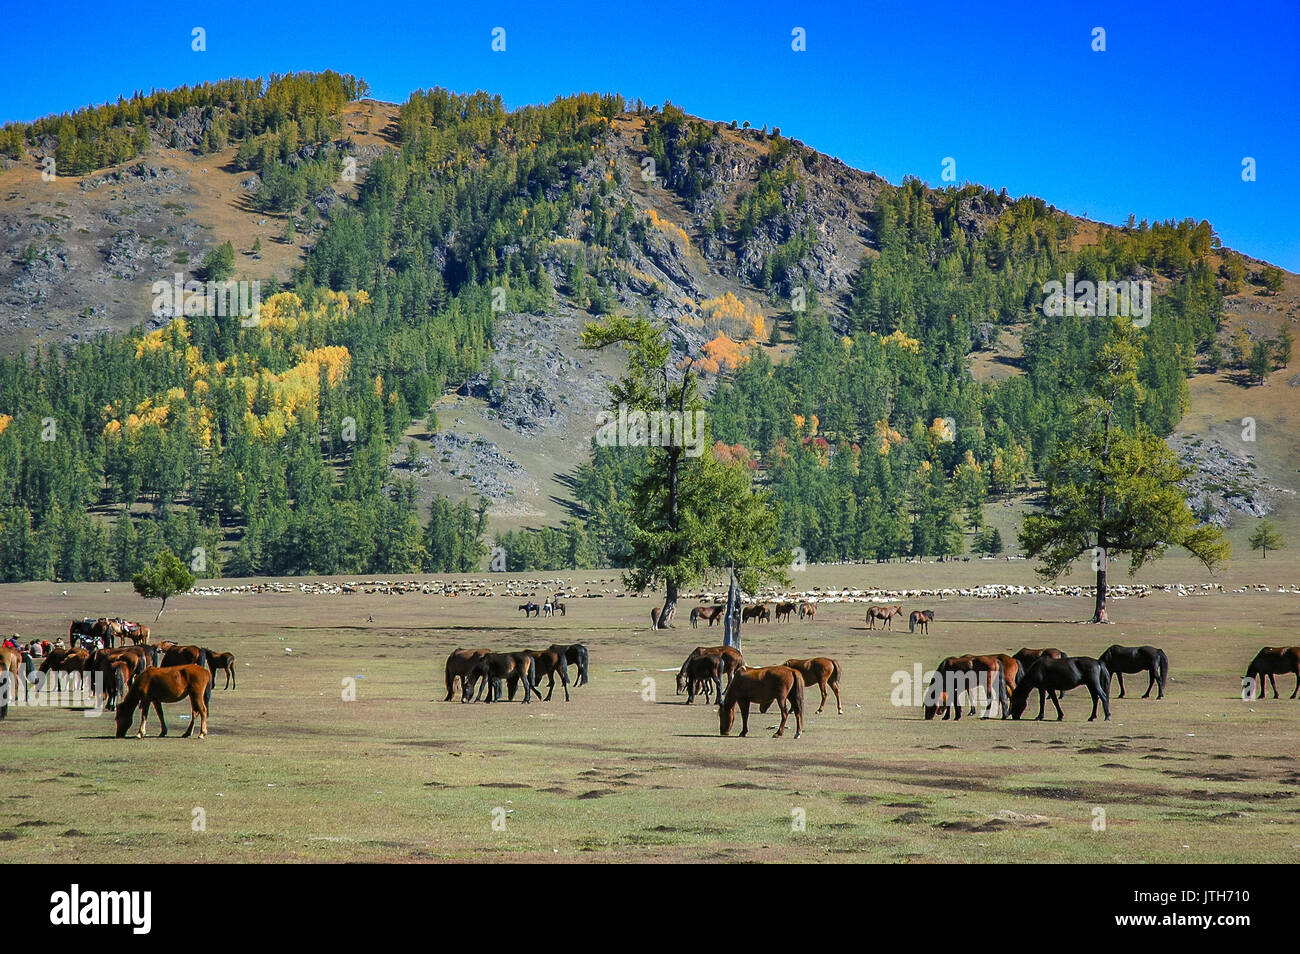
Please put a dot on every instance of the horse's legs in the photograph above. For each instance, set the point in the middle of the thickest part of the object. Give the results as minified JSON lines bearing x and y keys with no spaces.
{"x":202,"y":708}
{"x":835,"y":687}
{"x":785,"y":715}
{"x":162,"y":721}
{"x":1273,"y":679}
{"x":744,"y":718}
{"x":822,"y":686}
{"x":1121,"y":684}
{"x":717,"y":686}
{"x":194,"y":711}
{"x":1297,"y":684}
{"x":1060,"y":713}
{"x":1152,"y":684}
{"x":564,"y":681}
{"x":1042,"y":701}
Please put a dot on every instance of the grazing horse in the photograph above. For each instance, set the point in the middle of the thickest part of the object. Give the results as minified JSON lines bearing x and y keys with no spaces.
{"x":496,"y":668}
{"x":823,"y":671}
{"x":115,"y":668}
{"x":779,"y":684}
{"x":224,"y":661}
{"x":185,"y":656}
{"x":732,"y":659}
{"x":786,"y":610}
{"x":461,"y":665}
{"x":68,"y":662}
{"x":807,"y":611}
{"x":159,"y":684}
{"x":1272,"y":661}
{"x":885,"y":614}
{"x":549,"y":662}
{"x":575,"y":654}
{"x":712,"y":613}
{"x":958,"y":674}
{"x":654,"y":617}
{"x":701,"y":672}
{"x":758,"y":611}
{"x":1061,"y":675}
{"x":921,"y":618}
{"x":530,"y":609}
{"x":1121,"y":659}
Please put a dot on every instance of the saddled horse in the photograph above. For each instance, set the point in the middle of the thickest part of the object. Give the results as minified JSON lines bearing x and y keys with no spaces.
{"x":1132,"y":659}
{"x":1273,"y":661}
{"x":807,"y":611}
{"x":1062,"y":675}
{"x":701,"y":673}
{"x":922,"y":619}
{"x":157,"y":685}
{"x":89,"y":630}
{"x":461,"y":664}
{"x":779,"y":684}
{"x":551,"y":663}
{"x":713,"y":614}
{"x":226,"y":662}
{"x":958,"y":674}
{"x":785,"y":610}
{"x":125,"y":629}
{"x":823,"y":671}
{"x":885,"y":614}
{"x":758,"y":611}
{"x":575,"y":654}
{"x":530,"y":609}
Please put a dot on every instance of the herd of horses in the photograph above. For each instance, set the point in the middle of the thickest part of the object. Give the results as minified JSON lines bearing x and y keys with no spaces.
{"x":494,"y":673}
{"x":122,"y":678}
{"x":704,"y":668}
{"x":1008,"y":680}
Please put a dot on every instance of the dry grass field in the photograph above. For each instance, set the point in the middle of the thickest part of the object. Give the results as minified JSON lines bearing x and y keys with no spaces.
{"x":291,"y":771}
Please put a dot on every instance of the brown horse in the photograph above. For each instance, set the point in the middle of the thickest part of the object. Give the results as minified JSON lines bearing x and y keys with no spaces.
{"x":67,"y":662}
{"x":125,"y":629}
{"x":921,"y":618}
{"x":712,"y":613}
{"x":958,"y":674}
{"x":1272,"y":661}
{"x":498,"y":668}
{"x":785,"y":610}
{"x":460,"y":665}
{"x":224,"y":661}
{"x":807,"y":611}
{"x":758,"y":611}
{"x":885,"y":614}
{"x":732,"y":659}
{"x":701,"y":673}
{"x":654,"y":617}
{"x":550,"y":662}
{"x":14,"y":668}
{"x":157,"y":685}
{"x":779,"y":684}
{"x":823,"y":671}
{"x":167,"y":644}
{"x":185,"y":656}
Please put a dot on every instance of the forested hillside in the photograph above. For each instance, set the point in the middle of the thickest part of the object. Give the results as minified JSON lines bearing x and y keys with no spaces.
{"x":834,"y":316}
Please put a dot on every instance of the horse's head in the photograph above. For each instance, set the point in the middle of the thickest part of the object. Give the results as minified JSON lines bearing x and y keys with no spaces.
{"x":681,"y":680}
{"x":1020,"y":696}
{"x":726,"y":716}
{"x":125,"y":711}
{"x":936,"y":699}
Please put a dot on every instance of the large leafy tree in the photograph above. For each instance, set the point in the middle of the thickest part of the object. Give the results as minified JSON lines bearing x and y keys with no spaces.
{"x":690,"y":515}
{"x":1115,"y":488}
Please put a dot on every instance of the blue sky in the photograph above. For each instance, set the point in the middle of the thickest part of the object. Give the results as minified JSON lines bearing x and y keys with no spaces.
{"x":1157,"y":125}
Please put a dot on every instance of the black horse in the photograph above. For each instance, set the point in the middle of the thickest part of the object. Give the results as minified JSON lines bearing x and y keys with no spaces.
{"x":530,"y":609}
{"x":1271,"y":662}
{"x":1059,"y":675}
{"x":575,"y":654}
{"x":1121,"y":659}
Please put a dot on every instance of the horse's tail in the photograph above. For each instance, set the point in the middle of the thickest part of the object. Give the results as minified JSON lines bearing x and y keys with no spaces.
{"x":1103,"y":678}
{"x":205,"y":659}
{"x":911,"y":623}
{"x":836,"y":671}
{"x":1164,"y":667}
{"x":796,"y":695}
{"x":207,"y":690}
{"x":582,"y":662}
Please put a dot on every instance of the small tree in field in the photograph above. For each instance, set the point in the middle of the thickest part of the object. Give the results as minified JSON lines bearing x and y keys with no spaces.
{"x":1266,"y":538}
{"x":162,"y":579}
{"x":1115,"y":487}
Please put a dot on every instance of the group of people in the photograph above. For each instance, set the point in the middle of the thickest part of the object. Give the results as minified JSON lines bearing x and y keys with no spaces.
{"x":36,"y":648}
